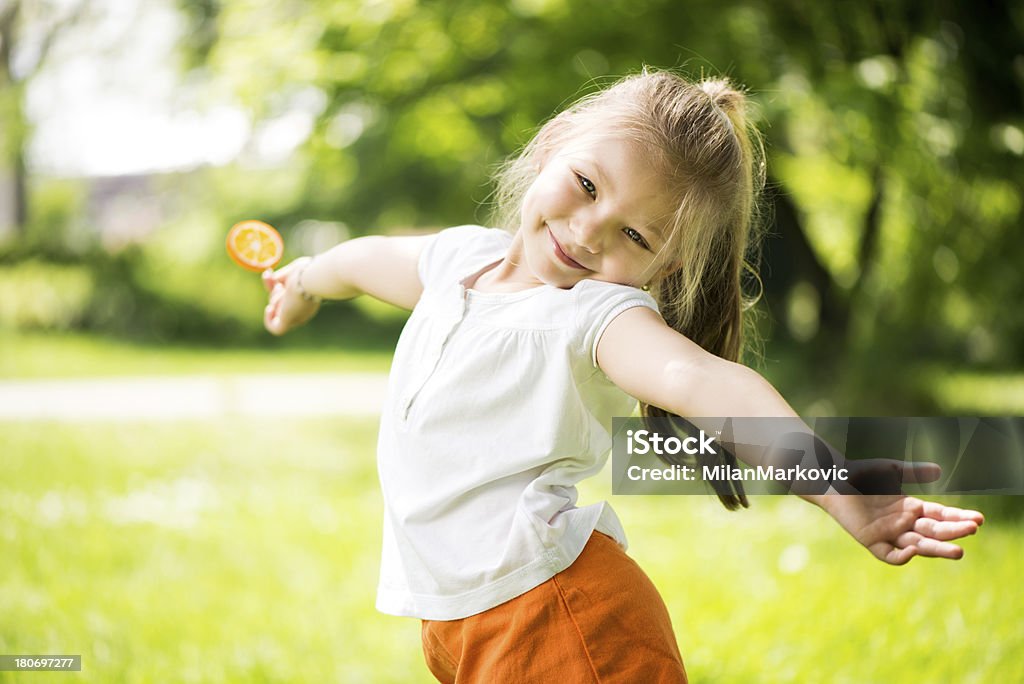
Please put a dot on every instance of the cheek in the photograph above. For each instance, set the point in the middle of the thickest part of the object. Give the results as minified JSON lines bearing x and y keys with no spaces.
{"x":534,"y":200}
{"x":550,"y":191}
{"x":636,"y":269}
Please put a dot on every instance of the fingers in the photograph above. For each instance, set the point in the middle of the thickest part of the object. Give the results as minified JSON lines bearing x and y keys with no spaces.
{"x":938,"y":511}
{"x":944,"y":531}
{"x":887,"y":476}
{"x":272,"y":278}
{"x":929,"y":547}
{"x":928,"y":529}
{"x":921,"y":528}
{"x":280,"y":316}
{"x":272,"y":322}
{"x":272,"y":319}
{"x":272,"y":312}
{"x":902,"y":556}
{"x":942,"y":522}
{"x":286,"y":310}
{"x":921,"y":472}
{"x":893,"y":555}
{"x":910,"y":545}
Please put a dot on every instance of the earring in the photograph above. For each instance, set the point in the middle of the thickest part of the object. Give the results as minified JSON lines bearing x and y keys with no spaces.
{"x":646,"y":288}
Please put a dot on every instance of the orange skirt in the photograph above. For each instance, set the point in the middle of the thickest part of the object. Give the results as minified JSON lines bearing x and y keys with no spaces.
{"x":600,"y":620}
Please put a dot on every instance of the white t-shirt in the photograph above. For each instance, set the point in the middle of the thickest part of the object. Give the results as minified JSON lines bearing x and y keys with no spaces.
{"x":496,"y":409}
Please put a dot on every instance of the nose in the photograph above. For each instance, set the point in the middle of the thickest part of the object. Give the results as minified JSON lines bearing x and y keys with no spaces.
{"x":589,"y":230}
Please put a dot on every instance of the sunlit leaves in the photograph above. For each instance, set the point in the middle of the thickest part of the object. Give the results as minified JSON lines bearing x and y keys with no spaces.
{"x":877,"y":120}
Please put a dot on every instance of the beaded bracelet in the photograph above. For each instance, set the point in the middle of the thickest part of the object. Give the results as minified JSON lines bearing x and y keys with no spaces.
{"x":302,"y":290}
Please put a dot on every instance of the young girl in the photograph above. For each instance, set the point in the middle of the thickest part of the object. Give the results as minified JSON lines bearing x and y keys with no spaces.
{"x":628,"y":219}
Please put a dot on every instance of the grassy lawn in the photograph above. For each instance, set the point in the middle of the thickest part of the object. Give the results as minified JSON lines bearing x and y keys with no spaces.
{"x":38,"y":355}
{"x":29,"y":355}
{"x":225,"y":552}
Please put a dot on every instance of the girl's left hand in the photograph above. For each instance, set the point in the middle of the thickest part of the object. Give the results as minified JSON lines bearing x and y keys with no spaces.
{"x":896,"y":528}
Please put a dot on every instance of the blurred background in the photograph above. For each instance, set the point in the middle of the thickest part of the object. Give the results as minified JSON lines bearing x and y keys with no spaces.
{"x":205,"y":544}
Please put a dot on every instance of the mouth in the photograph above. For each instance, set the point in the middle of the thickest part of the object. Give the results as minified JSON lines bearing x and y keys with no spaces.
{"x":562,"y":256}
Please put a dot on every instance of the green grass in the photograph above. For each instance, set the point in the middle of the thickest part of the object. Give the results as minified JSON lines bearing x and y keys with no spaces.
{"x":36,"y":355}
{"x":40,"y":355}
{"x":779,"y":593}
{"x":238,"y":551}
{"x":197,"y":552}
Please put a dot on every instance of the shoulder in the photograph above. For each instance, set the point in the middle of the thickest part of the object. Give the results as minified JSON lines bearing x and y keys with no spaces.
{"x":599,"y":303}
{"x":453,"y":250}
{"x":593,"y":296}
{"x":461,"y":238}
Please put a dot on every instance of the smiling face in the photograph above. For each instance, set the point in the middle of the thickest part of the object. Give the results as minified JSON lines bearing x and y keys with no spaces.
{"x":596,"y":210}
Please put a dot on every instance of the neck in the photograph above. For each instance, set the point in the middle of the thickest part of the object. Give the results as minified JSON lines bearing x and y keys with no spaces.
{"x":510,"y":274}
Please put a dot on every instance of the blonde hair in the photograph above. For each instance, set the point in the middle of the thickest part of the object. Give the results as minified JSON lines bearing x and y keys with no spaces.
{"x":699,"y":135}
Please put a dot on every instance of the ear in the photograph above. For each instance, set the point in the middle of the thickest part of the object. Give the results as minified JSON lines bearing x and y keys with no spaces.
{"x":671,"y":267}
{"x":668,"y":269}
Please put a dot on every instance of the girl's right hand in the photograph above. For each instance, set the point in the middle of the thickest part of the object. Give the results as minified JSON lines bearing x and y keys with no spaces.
{"x":287,"y":308}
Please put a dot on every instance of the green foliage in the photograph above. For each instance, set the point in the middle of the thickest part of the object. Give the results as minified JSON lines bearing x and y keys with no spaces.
{"x":175,"y":284}
{"x":893,"y":131}
{"x":903,"y":168}
{"x":57,"y":210}
{"x":45,"y":296}
{"x":143,"y":294}
{"x":44,"y":354}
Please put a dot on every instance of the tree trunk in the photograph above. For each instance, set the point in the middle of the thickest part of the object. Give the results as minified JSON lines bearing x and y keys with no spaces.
{"x":19,"y":191}
{"x":868,"y":248}
{"x":789,"y":258}
{"x":12,"y":152}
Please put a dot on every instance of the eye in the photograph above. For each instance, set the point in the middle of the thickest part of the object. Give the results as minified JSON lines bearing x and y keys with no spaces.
{"x":587,"y":186}
{"x":636,"y":237}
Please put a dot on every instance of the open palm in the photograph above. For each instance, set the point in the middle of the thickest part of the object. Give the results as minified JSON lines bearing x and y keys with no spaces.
{"x":896,"y":528}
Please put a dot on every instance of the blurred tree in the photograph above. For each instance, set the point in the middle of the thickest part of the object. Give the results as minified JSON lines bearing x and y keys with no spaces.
{"x":916,"y":112}
{"x":28,"y":32}
{"x":894,"y":132}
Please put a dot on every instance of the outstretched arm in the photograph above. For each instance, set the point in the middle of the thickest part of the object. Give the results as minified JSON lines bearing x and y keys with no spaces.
{"x":382,"y":267}
{"x":658,"y":366}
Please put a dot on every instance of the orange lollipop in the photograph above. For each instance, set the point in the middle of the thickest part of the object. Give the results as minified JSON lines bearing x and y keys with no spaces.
{"x":254,"y":245}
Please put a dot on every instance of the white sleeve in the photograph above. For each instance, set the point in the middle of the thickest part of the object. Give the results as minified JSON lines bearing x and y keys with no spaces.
{"x":599,"y":304}
{"x":442,"y":257}
{"x":427,"y":256}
